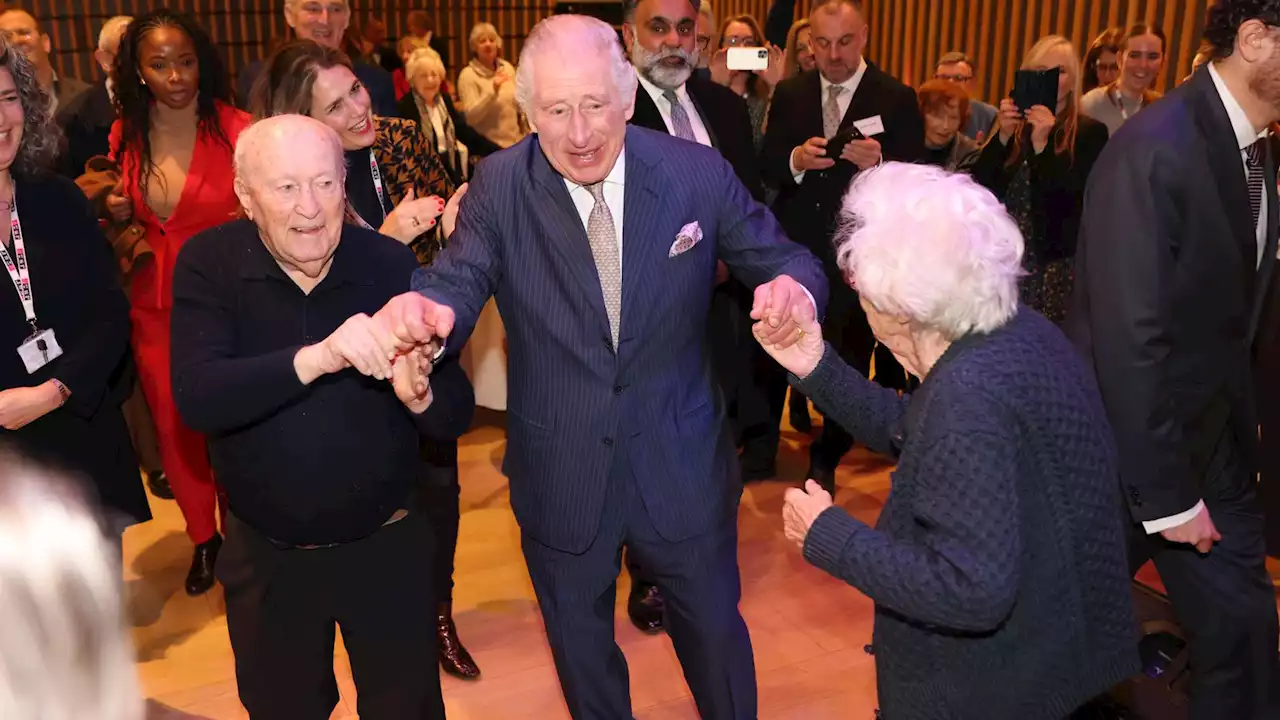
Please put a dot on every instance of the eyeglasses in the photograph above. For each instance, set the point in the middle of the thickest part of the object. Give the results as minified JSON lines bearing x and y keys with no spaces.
{"x":1106,"y":67}
{"x":953,"y":78}
{"x":739,"y":41}
{"x":704,"y":41}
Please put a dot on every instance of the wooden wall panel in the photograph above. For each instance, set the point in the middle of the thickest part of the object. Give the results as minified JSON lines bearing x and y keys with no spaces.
{"x":907,"y":36}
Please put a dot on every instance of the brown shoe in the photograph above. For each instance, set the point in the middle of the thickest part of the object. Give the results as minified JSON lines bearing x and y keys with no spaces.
{"x":454,"y":658}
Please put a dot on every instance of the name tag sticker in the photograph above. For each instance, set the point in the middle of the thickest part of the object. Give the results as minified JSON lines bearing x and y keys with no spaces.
{"x":871,"y":126}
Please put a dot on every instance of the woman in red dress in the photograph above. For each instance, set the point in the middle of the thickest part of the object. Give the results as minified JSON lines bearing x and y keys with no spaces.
{"x":174,"y":141}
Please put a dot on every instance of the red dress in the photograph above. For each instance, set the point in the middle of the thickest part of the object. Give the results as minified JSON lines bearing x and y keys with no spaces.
{"x":208,"y":199}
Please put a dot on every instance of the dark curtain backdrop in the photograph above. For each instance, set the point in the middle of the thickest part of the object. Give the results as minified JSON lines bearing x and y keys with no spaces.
{"x":907,"y":36}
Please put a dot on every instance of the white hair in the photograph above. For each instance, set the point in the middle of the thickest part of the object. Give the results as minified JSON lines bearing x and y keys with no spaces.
{"x":482,"y":31}
{"x":421,"y":61}
{"x":65,"y":651}
{"x":287,"y":129}
{"x":932,"y":247}
{"x":111,"y":31}
{"x":583,"y":38}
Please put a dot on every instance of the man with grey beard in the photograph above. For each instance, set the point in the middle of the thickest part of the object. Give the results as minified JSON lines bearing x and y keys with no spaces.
{"x":661,"y":40}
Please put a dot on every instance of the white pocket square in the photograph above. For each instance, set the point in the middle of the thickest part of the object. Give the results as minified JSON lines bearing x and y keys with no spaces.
{"x":689,"y":236}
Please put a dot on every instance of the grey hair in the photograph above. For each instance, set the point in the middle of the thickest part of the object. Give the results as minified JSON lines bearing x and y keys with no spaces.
{"x":65,"y":652}
{"x":112,"y":30}
{"x":932,"y":247}
{"x":252,"y":138}
{"x":629,"y":8}
{"x":581,"y":36}
{"x":42,"y":139}
{"x":479,"y":32}
{"x":423,"y":60}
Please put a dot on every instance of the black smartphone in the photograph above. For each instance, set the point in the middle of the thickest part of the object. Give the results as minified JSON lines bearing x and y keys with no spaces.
{"x":1035,"y":87}
{"x":835,"y":146}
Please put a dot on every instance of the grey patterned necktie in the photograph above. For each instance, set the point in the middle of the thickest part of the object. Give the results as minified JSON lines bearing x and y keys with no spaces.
{"x":679,"y":117}
{"x":831,"y":111}
{"x":604,"y":246}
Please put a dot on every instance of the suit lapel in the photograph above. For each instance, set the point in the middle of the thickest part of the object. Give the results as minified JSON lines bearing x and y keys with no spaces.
{"x":1267,"y":269}
{"x":862,"y":104}
{"x":691,"y":87}
{"x":566,"y":231}
{"x":646,"y":113}
{"x":643,"y":211}
{"x":811,"y":97}
{"x":1228,"y":173}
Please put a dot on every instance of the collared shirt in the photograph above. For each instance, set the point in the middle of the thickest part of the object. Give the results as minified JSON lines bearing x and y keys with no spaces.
{"x":664,"y":109}
{"x":315,"y":464}
{"x":846,"y":98}
{"x":1246,"y":135}
{"x":614,"y":192}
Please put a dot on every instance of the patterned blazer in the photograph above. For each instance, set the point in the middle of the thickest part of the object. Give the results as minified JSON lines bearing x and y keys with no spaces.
{"x":408,"y":162}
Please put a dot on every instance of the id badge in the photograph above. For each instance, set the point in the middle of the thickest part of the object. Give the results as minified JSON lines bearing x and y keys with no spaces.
{"x":39,"y":350}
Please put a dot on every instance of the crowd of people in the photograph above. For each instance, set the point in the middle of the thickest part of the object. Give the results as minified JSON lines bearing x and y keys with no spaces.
{"x":1051,"y":318}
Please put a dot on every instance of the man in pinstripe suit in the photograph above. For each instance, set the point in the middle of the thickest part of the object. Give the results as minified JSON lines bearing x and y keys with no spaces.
{"x":616,"y":433}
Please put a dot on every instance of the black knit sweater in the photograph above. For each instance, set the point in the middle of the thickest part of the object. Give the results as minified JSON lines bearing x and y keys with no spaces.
{"x":998,"y":564}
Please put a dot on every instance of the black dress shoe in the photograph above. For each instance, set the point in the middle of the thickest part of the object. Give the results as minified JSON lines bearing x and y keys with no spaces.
{"x":454,"y":658}
{"x":645,"y":606}
{"x":824,"y":477}
{"x":200,"y":579}
{"x":158,"y":484}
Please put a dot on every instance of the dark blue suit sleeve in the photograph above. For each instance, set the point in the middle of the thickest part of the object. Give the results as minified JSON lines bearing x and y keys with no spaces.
{"x":466,"y":273}
{"x":754,"y":246}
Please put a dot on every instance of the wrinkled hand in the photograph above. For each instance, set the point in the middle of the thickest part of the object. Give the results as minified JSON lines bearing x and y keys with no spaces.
{"x":773,"y":74}
{"x":812,"y":155}
{"x":412,"y":217}
{"x":411,"y":378}
{"x":804,"y":351}
{"x":1009,"y":120}
{"x":802,"y":508}
{"x":782,"y":309}
{"x":863,"y":153}
{"x":412,"y":320}
{"x":22,"y":406}
{"x":1042,"y":121}
{"x":450,"y":218}
{"x":358,"y":343}
{"x":1199,"y":531}
{"x":719,"y":67}
{"x":119,"y":207}
{"x":500,"y":78}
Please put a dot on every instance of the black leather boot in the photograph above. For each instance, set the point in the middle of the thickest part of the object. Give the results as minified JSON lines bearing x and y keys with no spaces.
{"x":454,"y":658}
{"x":200,"y":578}
{"x":645,"y":606}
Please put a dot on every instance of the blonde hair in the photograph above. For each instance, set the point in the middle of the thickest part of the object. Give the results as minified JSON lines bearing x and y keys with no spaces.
{"x":410,"y":44}
{"x":482,"y":31}
{"x":1069,"y":117}
{"x":65,"y":652}
{"x":423,"y":60}
{"x":791,"y":62}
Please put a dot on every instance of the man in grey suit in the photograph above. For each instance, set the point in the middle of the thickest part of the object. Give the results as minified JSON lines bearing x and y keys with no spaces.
{"x":600,"y":241}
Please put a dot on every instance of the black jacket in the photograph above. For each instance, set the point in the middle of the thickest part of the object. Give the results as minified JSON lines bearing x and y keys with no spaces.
{"x":478,"y":145}
{"x":86,"y":121}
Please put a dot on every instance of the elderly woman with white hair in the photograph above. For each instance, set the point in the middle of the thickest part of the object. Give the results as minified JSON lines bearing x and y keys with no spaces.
{"x":487,"y":89}
{"x":429,"y":106}
{"x":997,"y":565}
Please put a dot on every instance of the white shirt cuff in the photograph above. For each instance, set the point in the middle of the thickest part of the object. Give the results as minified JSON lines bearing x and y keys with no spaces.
{"x":1160,"y":525}
{"x":797,"y":174}
{"x":812,"y":302}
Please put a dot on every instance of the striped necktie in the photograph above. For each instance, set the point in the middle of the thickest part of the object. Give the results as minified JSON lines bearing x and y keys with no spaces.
{"x":1255,"y":154}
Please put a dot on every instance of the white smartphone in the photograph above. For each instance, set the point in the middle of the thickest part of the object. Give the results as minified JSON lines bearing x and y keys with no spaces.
{"x":747,"y":58}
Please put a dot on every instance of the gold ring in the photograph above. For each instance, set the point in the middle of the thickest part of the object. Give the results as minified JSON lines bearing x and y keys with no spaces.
{"x":801,"y":331}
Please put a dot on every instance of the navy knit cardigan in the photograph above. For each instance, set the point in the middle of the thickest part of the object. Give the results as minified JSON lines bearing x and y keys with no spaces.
{"x":998,"y":563}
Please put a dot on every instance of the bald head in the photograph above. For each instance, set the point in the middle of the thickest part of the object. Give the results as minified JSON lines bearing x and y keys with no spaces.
{"x":289,"y":179}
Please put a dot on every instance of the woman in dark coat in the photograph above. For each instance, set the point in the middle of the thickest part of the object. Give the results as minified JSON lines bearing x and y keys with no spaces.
{"x":998,"y":564}
{"x":62,"y":377}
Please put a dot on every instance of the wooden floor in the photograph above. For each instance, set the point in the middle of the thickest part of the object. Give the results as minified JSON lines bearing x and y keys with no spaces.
{"x":808,"y":630}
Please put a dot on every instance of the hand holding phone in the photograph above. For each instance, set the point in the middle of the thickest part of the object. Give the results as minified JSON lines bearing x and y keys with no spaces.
{"x":748,"y":58}
{"x":836,"y":145}
{"x":1035,"y":87}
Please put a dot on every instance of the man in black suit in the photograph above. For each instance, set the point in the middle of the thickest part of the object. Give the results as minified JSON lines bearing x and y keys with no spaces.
{"x":661,"y":40}
{"x":1177,"y":243}
{"x":846,"y":93}
{"x":86,"y":120}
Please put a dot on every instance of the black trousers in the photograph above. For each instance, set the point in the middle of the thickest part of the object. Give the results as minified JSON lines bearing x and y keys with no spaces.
{"x":283,"y":606}
{"x":699,"y":582}
{"x":438,"y":495}
{"x":1224,"y":600}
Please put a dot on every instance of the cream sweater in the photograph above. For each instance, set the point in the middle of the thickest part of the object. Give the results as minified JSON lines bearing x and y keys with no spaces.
{"x":492,"y":112}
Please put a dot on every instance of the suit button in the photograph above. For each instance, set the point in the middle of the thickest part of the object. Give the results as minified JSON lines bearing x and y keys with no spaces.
{"x":608,"y":441}
{"x":869,"y":649}
{"x":617,"y":389}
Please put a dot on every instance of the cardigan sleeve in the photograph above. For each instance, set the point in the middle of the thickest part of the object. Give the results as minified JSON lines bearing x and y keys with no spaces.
{"x":960,"y":571}
{"x":867,"y":410}
{"x":478,"y":97}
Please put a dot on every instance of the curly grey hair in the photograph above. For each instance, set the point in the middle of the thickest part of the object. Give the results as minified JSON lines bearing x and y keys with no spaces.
{"x":41,"y":137}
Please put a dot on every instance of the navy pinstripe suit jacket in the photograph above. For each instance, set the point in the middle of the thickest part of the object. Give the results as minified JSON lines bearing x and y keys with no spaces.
{"x":573,"y":403}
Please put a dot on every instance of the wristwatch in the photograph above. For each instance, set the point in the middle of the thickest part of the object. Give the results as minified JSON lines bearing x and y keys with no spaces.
{"x":63,"y":392}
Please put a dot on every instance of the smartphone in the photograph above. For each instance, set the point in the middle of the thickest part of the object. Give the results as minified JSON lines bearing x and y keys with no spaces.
{"x":835,"y":146}
{"x":746,"y":58}
{"x":1035,"y":87}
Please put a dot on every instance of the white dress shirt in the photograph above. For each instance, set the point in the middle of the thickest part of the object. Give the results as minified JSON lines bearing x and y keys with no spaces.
{"x":1246,"y":135}
{"x":664,"y":109}
{"x":846,"y":98}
